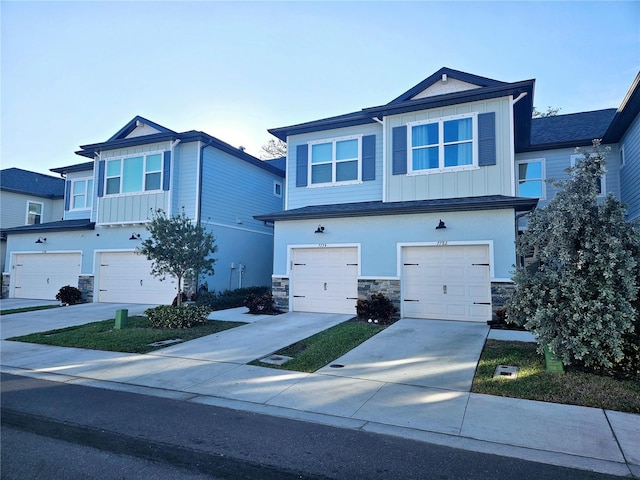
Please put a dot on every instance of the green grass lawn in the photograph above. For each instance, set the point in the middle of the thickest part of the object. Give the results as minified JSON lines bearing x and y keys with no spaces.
{"x":574,"y":387}
{"x":322,"y":348}
{"x":27,"y":309}
{"x":133,"y":339}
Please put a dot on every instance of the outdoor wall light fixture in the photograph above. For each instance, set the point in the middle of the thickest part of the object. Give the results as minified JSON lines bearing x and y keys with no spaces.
{"x":134,"y":236}
{"x":320,"y":229}
{"x":41,"y":240}
{"x":441,"y":225}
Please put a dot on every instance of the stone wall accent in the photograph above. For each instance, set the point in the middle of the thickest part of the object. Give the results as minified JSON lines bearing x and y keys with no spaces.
{"x":389,"y":288}
{"x":500,"y":292}
{"x":5,"y":285}
{"x":85,"y":285}
{"x":280,"y":291}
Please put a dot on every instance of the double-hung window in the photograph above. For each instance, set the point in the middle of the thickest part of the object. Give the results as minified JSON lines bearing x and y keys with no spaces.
{"x":335,"y":161}
{"x":81,"y":193}
{"x":530,"y":178}
{"x":442,"y":144}
{"x":141,"y":173}
{"x":34,"y":213}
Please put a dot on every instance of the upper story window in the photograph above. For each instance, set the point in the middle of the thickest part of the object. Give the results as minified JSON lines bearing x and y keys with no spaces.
{"x":277,"y":189}
{"x":531,"y":178}
{"x":81,"y":193}
{"x":34,"y":213}
{"x":445,"y":143}
{"x":335,"y":161}
{"x":601,"y":184}
{"x":141,"y":173}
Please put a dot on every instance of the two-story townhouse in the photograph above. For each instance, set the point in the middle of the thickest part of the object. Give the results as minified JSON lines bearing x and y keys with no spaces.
{"x":109,"y":199}
{"x":419,"y":199}
{"x":27,"y":198}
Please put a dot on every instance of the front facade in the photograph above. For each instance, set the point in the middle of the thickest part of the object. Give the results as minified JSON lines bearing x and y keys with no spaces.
{"x":109,"y":199}
{"x":421,"y":198}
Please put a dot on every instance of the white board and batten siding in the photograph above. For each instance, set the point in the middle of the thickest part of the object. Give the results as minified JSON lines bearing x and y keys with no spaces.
{"x":125,"y":277}
{"x":446,"y":282}
{"x":42,"y":275}
{"x":324,"y":280}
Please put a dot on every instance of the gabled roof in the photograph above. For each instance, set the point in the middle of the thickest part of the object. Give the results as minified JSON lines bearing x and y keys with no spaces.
{"x":279,"y":163}
{"x":437,"y":77}
{"x":62,"y":225}
{"x":21,"y":181}
{"x":626,"y":113}
{"x":135,"y":123}
{"x":404,"y":103}
{"x":367,"y":209}
{"x":121,"y":140}
{"x":572,"y":130}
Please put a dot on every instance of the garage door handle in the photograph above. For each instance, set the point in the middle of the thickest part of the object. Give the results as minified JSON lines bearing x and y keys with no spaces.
{"x":47,"y":281}
{"x":444,"y":289}
{"x":140,"y":282}
{"x":325,"y":286}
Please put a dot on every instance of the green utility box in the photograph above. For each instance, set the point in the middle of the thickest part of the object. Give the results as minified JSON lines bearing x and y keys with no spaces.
{"x":122,"y":316}
{"x":552,"y":363}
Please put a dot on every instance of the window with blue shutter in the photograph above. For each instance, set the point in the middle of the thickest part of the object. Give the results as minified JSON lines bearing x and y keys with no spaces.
{"x":487,"y":139}
{"x":302,"y":154}
{"x":399,"y":155}
{"x":67,"y":195}
{"x":101,"y":178}
{"x":368,"y":158}
{"x":166,"y":171}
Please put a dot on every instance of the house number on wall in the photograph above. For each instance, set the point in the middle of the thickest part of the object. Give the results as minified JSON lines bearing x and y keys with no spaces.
{"x":442,"y":244}
{"x":322,"y":245}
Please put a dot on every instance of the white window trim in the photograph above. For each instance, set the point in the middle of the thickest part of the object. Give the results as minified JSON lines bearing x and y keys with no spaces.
{"x":86,"y":194}
{"x":277,"y":184}
{"x":543,"y":172}
{"x":334,"y":140}
{"x":441,"y":168}
{"x":26,"y":219}
{"x":603,"y":178}
{"x":144,"y":155}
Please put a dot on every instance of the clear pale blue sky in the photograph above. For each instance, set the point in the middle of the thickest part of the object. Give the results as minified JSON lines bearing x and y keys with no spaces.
{"x":75,"y":72}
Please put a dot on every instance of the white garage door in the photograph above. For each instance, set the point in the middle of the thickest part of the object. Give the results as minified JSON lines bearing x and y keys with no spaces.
{"x":125,"y":277}
{"x":41,"y":275}
{"x":325,"y":280}
{"x":447,"y":283}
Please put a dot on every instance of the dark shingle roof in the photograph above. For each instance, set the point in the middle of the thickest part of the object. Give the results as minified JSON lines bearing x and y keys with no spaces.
{"x":25,"y":182}
{"x":279,"y":163}
{"x":572,"y":130}
{"x":79,"y":224}
{"x":367,"y":209}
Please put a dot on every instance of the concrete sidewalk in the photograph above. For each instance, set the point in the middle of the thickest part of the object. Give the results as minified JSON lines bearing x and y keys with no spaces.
{"x":390,"y":384}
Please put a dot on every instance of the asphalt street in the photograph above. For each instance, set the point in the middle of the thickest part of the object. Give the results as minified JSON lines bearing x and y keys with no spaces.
{"x":54,"y":430}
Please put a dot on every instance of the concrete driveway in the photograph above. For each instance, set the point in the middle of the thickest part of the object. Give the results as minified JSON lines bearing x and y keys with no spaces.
{"x":41,"y":320}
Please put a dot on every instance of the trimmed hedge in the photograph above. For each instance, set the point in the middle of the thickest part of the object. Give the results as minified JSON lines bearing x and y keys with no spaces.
{"x":229,"y":298}
{"x":186,"y":316}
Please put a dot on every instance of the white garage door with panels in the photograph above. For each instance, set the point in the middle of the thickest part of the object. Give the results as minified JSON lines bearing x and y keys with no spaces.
{"x":125,"y":277}
{"x":41,"y":275}
{"x":324,"y":280}
{"x":446,"y":282}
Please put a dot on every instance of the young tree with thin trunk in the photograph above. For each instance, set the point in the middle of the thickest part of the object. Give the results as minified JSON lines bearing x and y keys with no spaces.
{"x":178,"y":247}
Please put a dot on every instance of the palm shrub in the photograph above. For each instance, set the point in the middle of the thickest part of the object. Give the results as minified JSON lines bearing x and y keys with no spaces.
{"x":69,"y":295}
{"x":578,"y":297}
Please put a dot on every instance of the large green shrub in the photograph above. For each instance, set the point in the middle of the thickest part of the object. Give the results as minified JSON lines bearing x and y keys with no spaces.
{"x":578,"y":297}
{"x":260,"y":304}
{"x":186,"y":316}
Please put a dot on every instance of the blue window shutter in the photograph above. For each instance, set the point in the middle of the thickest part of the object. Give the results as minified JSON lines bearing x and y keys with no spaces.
{"x":487,"y":139}
{"x":302,"y":162}
{"x":399,"y":159}
{"x":166,"y":171}
{"x":67,"y":195}
{"x":101,"y":178}
{"x":369,"y":158}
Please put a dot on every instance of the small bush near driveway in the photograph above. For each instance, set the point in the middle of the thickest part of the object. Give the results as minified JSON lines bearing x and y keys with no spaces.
{"x":185,"y":316}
